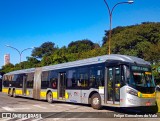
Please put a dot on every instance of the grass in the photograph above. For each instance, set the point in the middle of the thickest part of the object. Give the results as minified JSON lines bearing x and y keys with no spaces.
{"x":158,"y":100}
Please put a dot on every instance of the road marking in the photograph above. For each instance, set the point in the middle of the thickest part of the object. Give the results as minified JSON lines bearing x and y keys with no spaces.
{"x":21,"y":108}
{"x":58,"y":106}
{"x":56,"y":119}
{"x":39,"y":106}
{"x":22,"y":119}
{"x":6,"y":119}
{"x":37,"y":119}
{"x":29,"y":119}
{"x":52,"y":105}
{"x":71,"y":105}
{"x":14,"y":109}
{"x":8,"y":109}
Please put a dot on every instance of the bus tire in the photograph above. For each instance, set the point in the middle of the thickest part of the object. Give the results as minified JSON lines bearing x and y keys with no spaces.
{"x":14,"y":93}
{"x":9,"y":92}
{"x":49,"y":97}
{"x":96,"y":101}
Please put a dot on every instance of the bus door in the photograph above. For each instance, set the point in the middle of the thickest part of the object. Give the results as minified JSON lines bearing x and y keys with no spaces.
{"x":24,"y":87}
{"x":61,"y":85}
{"x":113,"y":85}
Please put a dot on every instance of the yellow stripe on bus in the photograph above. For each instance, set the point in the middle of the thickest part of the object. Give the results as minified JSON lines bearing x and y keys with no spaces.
{"x":66,"y":95}
{"x":43,"y":94}
{"x":146,"y":95}
{"x":54,"y":94}
{"x":18,"y":92}
{"x":27,"y":92}
{"x":5,"y":90}
{"x":148,"y":73}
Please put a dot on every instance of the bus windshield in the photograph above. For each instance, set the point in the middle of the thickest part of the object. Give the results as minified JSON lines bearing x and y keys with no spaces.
{"x":141,"y":76}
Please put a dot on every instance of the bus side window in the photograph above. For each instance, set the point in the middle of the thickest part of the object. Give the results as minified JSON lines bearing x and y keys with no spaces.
{"x":100,"y":76}
{"x":19,"y":80}
{"x":71,"y":75}
{"x":82,"y":78}
{"x":92,"y":79}
{"x":128,"y":77}
{"x":96,"y":76}
{"x":53,"y":79}
{"x":45,"y":80}
{"x":30,"y":78}
{"x":5,"y":81}
{"x":53,"y":83}
{"x":74,"y":80}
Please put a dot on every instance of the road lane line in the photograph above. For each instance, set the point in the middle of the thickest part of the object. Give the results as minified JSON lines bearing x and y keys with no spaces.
{"x":22,"y":119}
{"x":71,"y":105}
{"x":52,"y":105}
{"x":14,"y":109}
{"x":6,"y":119}
{"x":38,"y":119}
{"x":21,"y":108}
{"x":58,"y":106}
{"x":38,"y":106}
{"x":8,"y":109}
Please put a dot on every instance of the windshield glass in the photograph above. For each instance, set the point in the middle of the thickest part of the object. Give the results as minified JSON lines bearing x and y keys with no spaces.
{"x":141,"y":76}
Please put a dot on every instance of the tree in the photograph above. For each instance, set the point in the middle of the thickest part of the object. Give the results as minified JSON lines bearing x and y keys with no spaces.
{"x":46,"y":49}
{"x":153,"y":53}
{"x":7,"y":68}
{"x":59,"y":56}
{"x":156,"y":74}
{"x":136,"y":40}
{"x":81,"y":46}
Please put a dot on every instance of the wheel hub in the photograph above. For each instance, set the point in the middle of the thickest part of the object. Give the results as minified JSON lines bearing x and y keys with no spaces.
{"x":95,"y":101}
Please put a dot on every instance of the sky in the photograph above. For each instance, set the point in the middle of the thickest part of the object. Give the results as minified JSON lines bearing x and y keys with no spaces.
{"x":30,"y":23}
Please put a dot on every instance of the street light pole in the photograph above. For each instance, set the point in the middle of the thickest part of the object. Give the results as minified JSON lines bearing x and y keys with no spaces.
{"x":20,"y":52}
{"x":110,"y":20}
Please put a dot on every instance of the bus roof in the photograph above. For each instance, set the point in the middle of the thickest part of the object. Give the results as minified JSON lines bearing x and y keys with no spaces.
{"x":21,"y":71}
{"x":89,"y":61}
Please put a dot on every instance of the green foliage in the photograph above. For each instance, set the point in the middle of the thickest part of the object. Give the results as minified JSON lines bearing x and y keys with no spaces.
{"x":46,"y":49}
{"x":138,"y":40}
{"x":153,"y":53}
{"x":81,"y":46}
{"x":7,"y":68}
{"x":156,"y":73}
{"x":59,"y":56}
{"x":30,"y":63}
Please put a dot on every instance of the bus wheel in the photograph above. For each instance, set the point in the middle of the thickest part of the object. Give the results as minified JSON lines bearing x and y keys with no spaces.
{"x":14,"y":93}
{"x":49,"y":97}
{"x":9,"y":93}
{"x":96,"y":101}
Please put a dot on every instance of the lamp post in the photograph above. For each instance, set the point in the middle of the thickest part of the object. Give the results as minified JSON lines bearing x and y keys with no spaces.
{"x":20,"y":52}
{"x":110,"y":20}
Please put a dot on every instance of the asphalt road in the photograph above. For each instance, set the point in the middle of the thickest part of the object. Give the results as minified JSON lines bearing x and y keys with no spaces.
{"x":26,"y":109}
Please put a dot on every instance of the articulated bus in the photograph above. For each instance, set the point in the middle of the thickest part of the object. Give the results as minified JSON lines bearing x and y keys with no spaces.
{"x":110,"y":80}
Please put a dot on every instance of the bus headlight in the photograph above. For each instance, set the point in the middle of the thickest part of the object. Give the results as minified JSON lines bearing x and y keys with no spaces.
{"x":132,"y":92}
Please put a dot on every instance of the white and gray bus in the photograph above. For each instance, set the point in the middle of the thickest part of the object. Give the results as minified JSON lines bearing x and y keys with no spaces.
{"x":109,"y":80}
